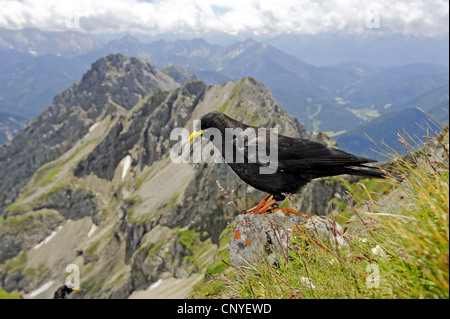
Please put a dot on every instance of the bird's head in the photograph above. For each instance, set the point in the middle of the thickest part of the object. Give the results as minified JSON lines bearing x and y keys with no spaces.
{"x":214,"y":119}
{"x":70,"y":289}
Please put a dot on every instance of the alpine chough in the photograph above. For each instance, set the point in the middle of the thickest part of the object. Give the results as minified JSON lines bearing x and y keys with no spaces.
{"x":63,"y":292}
{"x":299,"y":160}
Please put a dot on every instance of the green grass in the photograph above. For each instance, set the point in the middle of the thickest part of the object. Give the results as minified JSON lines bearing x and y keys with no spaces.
{"x":191,"y":239}
{"x":223,"y":258}
{"x":397,"y":243}
{"x":46,"y":173}
{"x":21,"y":222}
{"x":356,"y":194}
{"x":92,"y":249}
{"x":7,"y":295}
{"x":167,"y":68}
{"x":231,"y":102}
{"x":136,"y":200}
{"x":365,"y":113}
{"x":154,"y":248}
{"x":15,"y":207}
{"x":16,"y":264}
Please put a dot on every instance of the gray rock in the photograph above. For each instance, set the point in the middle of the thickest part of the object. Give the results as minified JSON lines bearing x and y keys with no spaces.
{"x":317,"y":196}
{"x":15,"y":280}
{"x":261,"y":236}
{"x":148,"y":128}
{"x":326,"y":230}
{"x":258,"y":236}
{"x":23,"y":231}
{"x":179,"y":74}
{"x":72,"y":204}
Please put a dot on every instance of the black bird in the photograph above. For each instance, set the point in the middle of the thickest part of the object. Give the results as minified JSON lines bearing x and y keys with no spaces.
{"x":63,"y":292}
{"x":299,"y":160}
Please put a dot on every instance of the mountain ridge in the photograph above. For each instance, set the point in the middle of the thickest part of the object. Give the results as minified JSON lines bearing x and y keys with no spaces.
{"x":56,"y":129}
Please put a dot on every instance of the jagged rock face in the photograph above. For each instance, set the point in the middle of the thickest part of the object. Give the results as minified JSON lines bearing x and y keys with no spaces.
{"x":124,"y":81}
{"x":113,"y":83}
{"x":147,"y":128}
{"x":24,"y":232}
{"x":72,"y":204}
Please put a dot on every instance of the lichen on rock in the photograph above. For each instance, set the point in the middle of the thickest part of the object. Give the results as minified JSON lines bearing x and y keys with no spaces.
{"x":258,"y":237}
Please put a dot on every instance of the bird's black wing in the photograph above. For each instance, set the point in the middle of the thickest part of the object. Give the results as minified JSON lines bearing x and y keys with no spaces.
{"x":296,"y":154}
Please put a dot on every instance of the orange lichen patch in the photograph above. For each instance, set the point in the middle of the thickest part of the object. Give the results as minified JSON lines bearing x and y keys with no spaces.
{"x":290,"y":211}
{"x":237,"y":234}
{"x":247,"y":241}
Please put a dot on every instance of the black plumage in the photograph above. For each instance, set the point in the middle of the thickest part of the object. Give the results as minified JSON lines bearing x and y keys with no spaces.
{"x":63,"y":292}
{"x":299,"y":160}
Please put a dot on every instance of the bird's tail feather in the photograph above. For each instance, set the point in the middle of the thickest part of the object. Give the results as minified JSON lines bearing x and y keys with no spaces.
{"x":365,"y":172}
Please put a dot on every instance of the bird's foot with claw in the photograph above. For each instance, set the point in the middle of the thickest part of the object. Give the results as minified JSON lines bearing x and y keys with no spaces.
{"x":261,"y":209}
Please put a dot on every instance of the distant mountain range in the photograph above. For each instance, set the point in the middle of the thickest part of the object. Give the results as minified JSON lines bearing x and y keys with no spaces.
{"x":369,"y":48}
{"x":335,"y":99}
{"x":27,"y":86}
{"x":33,"y":42}
{"x":412,"y":118}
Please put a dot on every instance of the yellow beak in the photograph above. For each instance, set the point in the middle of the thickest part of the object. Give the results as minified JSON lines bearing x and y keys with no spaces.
{"x":195,"y":135}
{"x":75,"y":289}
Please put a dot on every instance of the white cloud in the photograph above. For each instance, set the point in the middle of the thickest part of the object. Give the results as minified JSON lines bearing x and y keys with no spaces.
{"x":418,"y":17}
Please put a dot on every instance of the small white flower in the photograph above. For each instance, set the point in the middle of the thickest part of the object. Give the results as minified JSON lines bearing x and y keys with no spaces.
{"x":378,"y":251}
{"x":307,"y":282}
{"x":332,"y":261}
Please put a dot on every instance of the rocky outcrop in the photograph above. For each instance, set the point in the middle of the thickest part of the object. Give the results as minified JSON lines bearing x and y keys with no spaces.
{"x":261,"y":237}
{"x":148,"y":127}
{"x":10,"y":125}
{"x":319,"y":195}
{"x":72,"y":204}
{"x":23,"y":232}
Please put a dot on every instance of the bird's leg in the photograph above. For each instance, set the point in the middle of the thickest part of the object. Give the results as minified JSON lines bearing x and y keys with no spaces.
{"x":263,"y":202}
{"x":263,"y":209}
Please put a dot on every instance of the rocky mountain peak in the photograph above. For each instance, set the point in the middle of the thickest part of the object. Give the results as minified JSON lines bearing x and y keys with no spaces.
{"x":125,"y":80}
{"x":118,"y":63}
{"x":129,"y":39}
{"x":113,"y":85}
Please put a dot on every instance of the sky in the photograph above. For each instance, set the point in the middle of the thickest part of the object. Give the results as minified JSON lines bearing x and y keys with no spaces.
{"x":422,"y":18}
